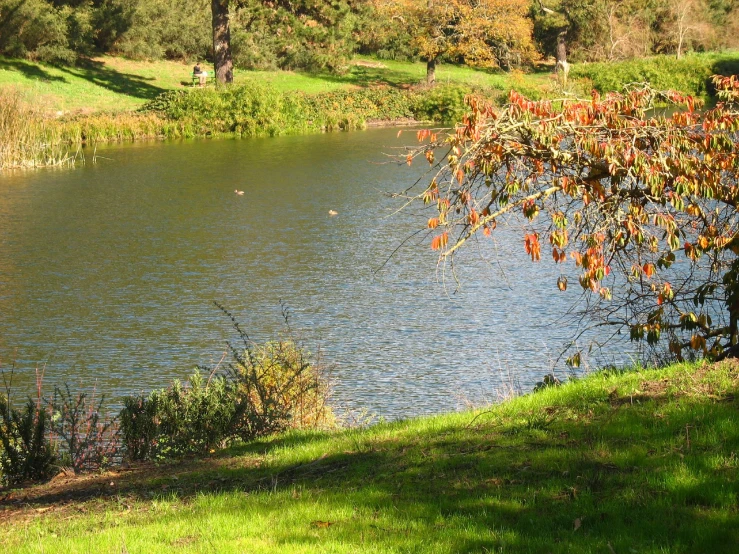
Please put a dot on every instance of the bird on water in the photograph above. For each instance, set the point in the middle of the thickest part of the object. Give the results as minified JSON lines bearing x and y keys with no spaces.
{"x":239,"y":192}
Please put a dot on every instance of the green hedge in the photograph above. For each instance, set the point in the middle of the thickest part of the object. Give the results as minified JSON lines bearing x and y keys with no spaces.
{"x":690,"y":74}
{"x":255,"y":109}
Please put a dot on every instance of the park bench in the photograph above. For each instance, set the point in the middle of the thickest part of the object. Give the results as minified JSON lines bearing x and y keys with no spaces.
{"x":196,"y":79}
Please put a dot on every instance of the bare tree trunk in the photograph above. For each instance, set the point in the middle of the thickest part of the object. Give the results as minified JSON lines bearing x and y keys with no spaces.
{"x":222,"y":41}
{"x":562,"y":68}
{"x":431,"y":71}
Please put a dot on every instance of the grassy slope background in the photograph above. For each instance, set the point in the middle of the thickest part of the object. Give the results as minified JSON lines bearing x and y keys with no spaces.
{"x":114,"y":84}
{"x":644,"y":461}
{"x":109,"y":83}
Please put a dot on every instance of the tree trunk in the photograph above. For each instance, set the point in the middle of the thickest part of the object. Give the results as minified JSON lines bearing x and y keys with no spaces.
{"x":222,"y":41}
{"x":431,"y":71}
{"x":562,"y":68}
{"x":561,"y":47}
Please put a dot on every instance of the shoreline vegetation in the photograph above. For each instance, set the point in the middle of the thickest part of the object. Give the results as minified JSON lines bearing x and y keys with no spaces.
{"x":37,"y":134}
{"x":641,"y":460}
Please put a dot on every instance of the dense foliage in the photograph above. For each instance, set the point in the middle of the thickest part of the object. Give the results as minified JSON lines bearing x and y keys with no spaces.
{"x":323,"y":35}
{"x":26,"y":454}
{"x":644,"y":205}
{"x":614,"y":30}
{"x":690,"y":75}
{"x":482,"y":33}
{"x":266,"y":389}
{"x":254,"y":109}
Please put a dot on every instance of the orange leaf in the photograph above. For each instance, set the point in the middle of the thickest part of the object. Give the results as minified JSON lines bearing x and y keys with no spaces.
{"x":562,"y":283}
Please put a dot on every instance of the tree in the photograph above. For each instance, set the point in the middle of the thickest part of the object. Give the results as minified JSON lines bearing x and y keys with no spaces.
{"x":479,"y":32}
{"x":222,"y":41}
{"x":296,"y":34}
{"x":688,"y":20}
{"x":645,"y":206}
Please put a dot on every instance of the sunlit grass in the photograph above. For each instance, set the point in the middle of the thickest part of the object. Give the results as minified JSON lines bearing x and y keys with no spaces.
{"x":108,"y":83}
{"x":644,"y":461}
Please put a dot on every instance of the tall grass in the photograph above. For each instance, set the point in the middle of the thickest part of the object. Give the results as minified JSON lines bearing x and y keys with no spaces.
{"x":28,"y":138}
{"x":114,"y":127}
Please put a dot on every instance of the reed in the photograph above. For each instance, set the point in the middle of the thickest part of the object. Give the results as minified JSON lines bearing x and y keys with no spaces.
{"x":114,"y":127}
{"x":29,"y":138}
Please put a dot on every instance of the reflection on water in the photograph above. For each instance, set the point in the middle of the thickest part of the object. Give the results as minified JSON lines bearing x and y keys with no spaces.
{"x":108,"y":273}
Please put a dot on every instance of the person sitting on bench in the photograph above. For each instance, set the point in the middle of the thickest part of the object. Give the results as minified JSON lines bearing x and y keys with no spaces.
{"x":201,"y":75}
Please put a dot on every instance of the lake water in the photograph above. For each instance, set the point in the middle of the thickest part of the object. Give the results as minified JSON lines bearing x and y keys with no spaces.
{"x":108,"y":273}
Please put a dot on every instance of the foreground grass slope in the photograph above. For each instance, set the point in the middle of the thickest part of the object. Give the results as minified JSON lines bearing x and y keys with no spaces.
{"x":109,"y":83}
{"x":638,"y":462}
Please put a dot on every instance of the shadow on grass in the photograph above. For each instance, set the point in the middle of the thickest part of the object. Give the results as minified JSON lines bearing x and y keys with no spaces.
{"x":618,"y":474}
{"x":366,"y":76}
{"x":98,"y":73}
{"x":30,"y":70}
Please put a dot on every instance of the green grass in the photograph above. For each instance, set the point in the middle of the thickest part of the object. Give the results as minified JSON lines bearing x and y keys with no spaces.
{"x":644,"y":461}
{"x":109,"y":83}
{"x":690,"y":74}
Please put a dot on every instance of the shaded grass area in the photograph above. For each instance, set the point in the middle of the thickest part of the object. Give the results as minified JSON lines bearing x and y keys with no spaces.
{"x":644,"y":461}
{"x":109,"y":83}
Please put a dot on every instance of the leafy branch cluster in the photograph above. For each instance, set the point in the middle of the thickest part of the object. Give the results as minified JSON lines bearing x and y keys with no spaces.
{"x":643,"y":204}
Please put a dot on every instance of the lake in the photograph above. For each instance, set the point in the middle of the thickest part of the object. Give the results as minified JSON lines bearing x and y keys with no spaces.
{"x":109,"y":271}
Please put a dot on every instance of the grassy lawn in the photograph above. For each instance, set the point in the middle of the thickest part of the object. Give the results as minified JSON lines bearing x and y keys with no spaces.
{"x":641,"y":462}
{"x":109,"y":83}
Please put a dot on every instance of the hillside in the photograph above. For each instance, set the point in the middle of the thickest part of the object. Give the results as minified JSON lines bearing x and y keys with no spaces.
{"x":644,"y":461}
{"x":110,"y":83}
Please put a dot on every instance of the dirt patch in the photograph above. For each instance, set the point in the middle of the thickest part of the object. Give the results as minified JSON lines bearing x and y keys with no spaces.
{"x":365,"y":63}
{"x":140,"y":481}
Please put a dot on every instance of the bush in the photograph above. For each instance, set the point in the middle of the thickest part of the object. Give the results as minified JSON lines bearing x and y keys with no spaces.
{"x":27,"y":454}
{"x":255,"y":109}
{"x":193,"y":418}
{"x":138,"y":427}
{"x":443,"y":103}
{"x":690,"y":74}
{"x":87,"y":439}
{"x":280,"y":388}
{"x":265,"y":389}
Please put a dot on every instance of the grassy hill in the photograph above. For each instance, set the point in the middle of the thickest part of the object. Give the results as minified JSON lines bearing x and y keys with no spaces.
{"x":644,"y":462}
{"x":109,"y":83}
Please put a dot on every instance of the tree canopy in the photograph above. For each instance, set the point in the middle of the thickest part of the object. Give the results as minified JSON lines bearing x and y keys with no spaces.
{"x":310,"y":34}
{"x":644,"y":205}
{"x":480,"y":32}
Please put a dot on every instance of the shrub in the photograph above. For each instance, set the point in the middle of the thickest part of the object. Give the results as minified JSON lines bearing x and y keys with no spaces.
{"x":280,"y":388}
{"x":443,"y":103}
{"x":254,"y":109}
{"x":138,"y":426}
{"x":27,"y":454}
{"x":191,"y":418}
{"x":690,"y":74}
{"x":266,"y":389}
{"x":87,"y":439}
